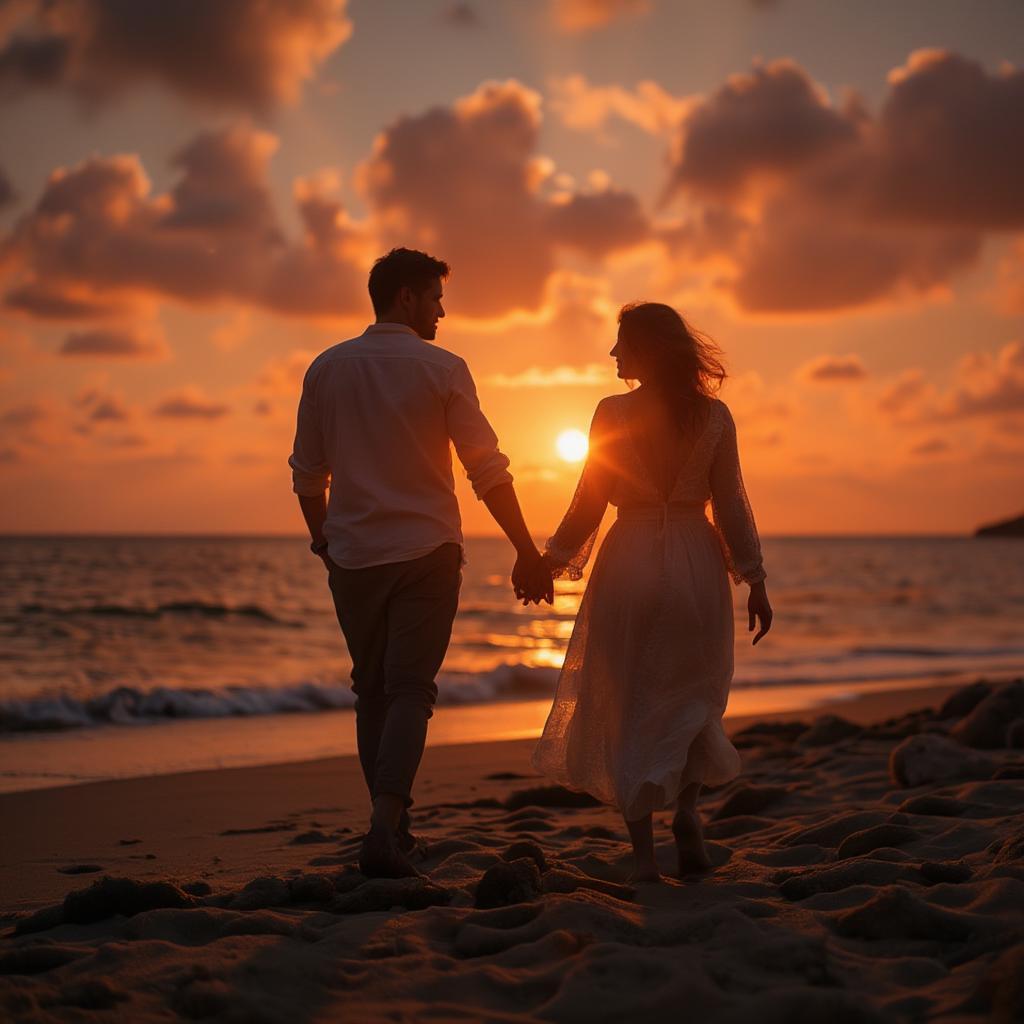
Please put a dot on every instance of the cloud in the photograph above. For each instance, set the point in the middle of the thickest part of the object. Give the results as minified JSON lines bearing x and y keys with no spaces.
{"x":190,"y":403}
{"x":988,"y":385}
{"x":98,"y":241}
{"x":464,"y":182}
{"x":593,"y":375}
{"x":240,"y":54}
{"x":903,"y":397}
{"x":767,"y":122}
{"x":599,"y":222}
{"x":829,"y":369}
{"x":950,"y":144}
{"x":103,"y":408}
{"x":796,"y":259}
{"x":461,"y":14}
{"x":7,"y":193}
{"x":586,"y":15}
{"x":984,"y":385}
{"x":26,"y":414}
{"x":66,"y":302}
{"x":931,"y":446}
{"x":588,"y":108}
{"x":113,"y":343}
{"x":835,"y":208}
{"x":1009,"y":292}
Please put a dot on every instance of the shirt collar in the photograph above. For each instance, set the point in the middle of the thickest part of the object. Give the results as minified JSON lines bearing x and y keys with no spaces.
{"x":387,"y":328}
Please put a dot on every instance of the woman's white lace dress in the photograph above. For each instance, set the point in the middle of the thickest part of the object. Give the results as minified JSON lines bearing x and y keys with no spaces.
{"x":638,"y":709}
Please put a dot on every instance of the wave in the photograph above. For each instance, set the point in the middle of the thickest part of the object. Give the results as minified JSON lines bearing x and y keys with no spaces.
{"x":912,"y":651}
{"x":130,"y":706}
{"x":203,"y":609}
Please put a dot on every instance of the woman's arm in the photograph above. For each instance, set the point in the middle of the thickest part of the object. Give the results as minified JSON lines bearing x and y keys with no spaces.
{"x":568,"y":550}
{"x":734,"y":520}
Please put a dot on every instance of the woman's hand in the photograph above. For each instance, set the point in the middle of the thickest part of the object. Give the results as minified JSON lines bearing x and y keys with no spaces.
{"x":758,"y":609}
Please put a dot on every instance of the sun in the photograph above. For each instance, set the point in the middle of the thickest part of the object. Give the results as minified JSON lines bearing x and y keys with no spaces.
{"x":572,"y":445}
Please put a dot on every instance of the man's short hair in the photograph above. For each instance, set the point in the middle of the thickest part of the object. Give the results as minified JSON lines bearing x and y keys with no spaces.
{"x":399,"y":269}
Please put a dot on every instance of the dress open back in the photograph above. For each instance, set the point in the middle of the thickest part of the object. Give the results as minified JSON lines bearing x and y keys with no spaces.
{"x":637,"y":712}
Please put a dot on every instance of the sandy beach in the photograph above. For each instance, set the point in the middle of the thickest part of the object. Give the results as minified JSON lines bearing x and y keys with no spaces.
{"x":867,"y":867}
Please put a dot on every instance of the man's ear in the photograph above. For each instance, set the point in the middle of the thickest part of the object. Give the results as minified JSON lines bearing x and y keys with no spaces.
{"x":405,"y":295}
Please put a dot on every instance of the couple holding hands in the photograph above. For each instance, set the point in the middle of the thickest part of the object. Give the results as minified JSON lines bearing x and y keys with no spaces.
{"x":637,"y":714}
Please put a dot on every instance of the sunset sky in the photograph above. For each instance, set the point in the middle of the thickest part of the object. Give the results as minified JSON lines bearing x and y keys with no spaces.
{"x":191,"y":195}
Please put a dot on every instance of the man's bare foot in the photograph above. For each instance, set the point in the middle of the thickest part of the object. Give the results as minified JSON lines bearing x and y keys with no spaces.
{"x":689,"y":836}
{"x":643,"y":873}
{"x":381,"y":857}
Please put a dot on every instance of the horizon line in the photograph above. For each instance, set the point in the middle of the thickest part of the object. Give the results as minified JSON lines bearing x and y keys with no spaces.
{"x":290,"y":535}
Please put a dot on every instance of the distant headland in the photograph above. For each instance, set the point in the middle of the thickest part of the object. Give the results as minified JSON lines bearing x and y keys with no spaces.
{"x":1005,"y":528}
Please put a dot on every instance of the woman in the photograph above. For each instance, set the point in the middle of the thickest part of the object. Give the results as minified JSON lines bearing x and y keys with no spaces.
{"x":637,"y":714}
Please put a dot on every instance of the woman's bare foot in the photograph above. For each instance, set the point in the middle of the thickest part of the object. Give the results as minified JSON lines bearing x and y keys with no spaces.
{"x":689,"y":836}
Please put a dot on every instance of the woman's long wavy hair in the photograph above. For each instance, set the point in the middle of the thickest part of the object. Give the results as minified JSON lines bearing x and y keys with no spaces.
{"x":684,"y":367}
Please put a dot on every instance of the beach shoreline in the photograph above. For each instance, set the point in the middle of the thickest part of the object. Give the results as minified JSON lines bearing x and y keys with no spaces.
{"x":179,"y":816}
{"x":868,"y":866}
{"x":33,"y":760}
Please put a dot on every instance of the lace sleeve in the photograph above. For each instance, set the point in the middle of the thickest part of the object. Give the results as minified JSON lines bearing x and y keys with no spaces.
{"x":569,"y":549}
{"x":734,"y":518}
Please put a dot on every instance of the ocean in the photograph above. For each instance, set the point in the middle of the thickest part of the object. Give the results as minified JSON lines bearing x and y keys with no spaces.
{"x":128,"y":656}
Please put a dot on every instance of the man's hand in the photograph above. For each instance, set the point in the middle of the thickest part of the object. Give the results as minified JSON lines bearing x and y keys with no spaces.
{"x":531,"y":579}
{"x":758,"y":608}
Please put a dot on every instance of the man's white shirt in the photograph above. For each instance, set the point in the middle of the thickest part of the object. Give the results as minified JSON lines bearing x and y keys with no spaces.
{"x":375,"y":420}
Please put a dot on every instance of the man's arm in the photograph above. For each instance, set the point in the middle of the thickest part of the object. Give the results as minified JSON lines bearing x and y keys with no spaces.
{"x":310,"y":471}
{"x":487,"y":468}
{"x":314,"y":511}
{"x":531,"y":577}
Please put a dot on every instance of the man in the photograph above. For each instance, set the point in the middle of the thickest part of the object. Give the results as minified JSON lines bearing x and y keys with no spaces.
{"x":375,"y":420}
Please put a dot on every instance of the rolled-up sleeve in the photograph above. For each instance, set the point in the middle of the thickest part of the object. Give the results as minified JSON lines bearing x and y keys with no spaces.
{"x":734,"y":518}
{"x":475,"y":442}
{"x":310,"y":472}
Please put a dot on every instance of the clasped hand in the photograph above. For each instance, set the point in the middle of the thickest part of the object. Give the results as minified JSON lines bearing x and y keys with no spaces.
{"x":531,"y":580}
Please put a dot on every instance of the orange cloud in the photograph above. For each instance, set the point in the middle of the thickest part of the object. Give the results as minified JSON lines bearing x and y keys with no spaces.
{"x":949,"y":144}
{"x":904,"y":396}
{"x":586,"y":15}
{"x":599,"y":222}
{"x":768,"y":122}
{"x":588,"y":108}
{"x":931,"y":446}
{"x":832,"y":208}
{"x":989,"y":385}
{"x":464,"y":182}
{"x":97,"y":241}
{"x":101,"y":407}
{"x":985,"y":385}
{"x":114,"y":343}
{"x":234,"y":53}
{"x":190,"y":403}
{"x":830,"y":369}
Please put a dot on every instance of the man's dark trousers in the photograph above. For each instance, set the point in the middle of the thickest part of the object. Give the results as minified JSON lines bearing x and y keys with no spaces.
{"x":397,"y":620}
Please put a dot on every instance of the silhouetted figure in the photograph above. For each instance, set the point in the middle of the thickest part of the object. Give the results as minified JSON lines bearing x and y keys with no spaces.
{"x":637,"y":715}
{"x":375,"y":420}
